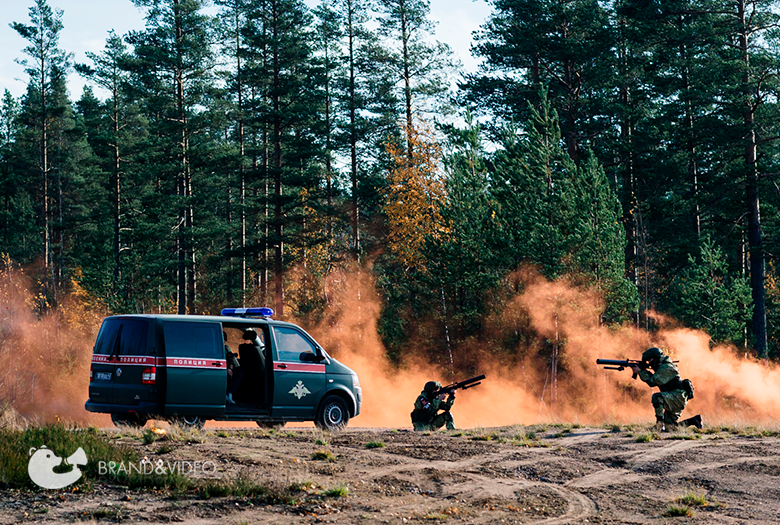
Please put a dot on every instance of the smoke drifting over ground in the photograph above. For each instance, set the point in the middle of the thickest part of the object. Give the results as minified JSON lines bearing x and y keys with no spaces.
{"x":44,"y":362}
{"x":44,"y":355}
{"x":730,"y":389}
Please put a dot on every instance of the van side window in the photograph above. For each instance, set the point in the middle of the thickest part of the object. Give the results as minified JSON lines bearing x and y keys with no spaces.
{"x":132,"y":335}
{"x":193,"y":340}
{"x":290,"y":344}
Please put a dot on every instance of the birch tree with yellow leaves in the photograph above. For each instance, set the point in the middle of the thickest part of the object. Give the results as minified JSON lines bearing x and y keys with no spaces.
{"x":414,"y":197}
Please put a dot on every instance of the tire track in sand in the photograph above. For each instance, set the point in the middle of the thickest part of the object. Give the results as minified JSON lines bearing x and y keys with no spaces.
{"x":578,"y":505}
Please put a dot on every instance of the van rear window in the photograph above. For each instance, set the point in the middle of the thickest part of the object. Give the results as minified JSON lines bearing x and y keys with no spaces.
{"x":123,"y":337}
{"x":184,"y":339}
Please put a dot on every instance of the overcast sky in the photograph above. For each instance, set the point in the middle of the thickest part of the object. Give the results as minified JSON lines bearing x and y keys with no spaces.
{"x":87,"y":22}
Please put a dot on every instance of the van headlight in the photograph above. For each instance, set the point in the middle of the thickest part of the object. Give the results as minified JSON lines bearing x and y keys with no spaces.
{"x":355,"y":380}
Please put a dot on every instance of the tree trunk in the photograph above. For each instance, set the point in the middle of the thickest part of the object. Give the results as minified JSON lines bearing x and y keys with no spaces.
{"x":117,"y":192}
{"x":353,"y":133}
{"x":277,"y":169}
{"x":47,"y":263}
{"x":755,"y":241}
{"x":407,"y":79}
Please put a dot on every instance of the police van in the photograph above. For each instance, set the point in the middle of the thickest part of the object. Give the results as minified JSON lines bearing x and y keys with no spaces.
{"x":175,"y":367}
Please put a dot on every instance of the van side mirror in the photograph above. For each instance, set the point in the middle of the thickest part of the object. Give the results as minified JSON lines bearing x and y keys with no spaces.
{"x":309,"y":357}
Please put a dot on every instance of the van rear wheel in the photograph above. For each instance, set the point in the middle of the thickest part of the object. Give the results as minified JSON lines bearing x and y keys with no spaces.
{"x":189,"y":422}
{"x":270,"y":424}
{"x":333,"y":414}
{"x":129,"y":420}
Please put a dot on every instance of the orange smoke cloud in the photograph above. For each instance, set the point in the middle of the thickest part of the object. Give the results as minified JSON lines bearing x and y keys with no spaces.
{"x":44,"y":361}
{"x":566,"y":319}
{"x":729,"y":388}
{"x":44,"y":358}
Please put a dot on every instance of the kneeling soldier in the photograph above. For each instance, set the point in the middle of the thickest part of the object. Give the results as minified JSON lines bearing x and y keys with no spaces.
{"x":426,"y":409}
{"x":675,"y":393}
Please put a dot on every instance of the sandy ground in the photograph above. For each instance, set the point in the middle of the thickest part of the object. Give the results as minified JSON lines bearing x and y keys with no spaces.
{"x":538,"y":474}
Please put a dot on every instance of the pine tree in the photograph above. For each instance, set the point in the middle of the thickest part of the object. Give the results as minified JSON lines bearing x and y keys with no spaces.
{"x":708,"y":296}
{"x":468,"y":260}
{"x":420,"y":67}
{"x":16,"y":213}
{"x":559,"y":216}
{"x":114,"y":129}
{"x":749,"y":70}
{"x":46,"y":103}
{"x":565,"y":47}
{"x":368,"y":115}
{"x":286,"y":109}
{"x":174,"y":50}
{"x":235,"y":25}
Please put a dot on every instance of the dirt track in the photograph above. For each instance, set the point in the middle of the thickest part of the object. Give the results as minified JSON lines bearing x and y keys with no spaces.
{"x":551,"y":475}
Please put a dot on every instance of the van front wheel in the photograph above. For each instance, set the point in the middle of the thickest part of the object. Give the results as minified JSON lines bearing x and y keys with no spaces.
{"x":189,"y":422}
{"x":332,"y":414}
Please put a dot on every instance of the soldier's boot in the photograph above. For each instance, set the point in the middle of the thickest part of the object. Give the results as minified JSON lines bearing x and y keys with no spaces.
{"x":694,"y":421}
{"x":659,"y":425}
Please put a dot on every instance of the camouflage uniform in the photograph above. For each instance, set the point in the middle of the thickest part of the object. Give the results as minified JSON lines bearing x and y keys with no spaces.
{"x":425,"y":415}
{"x":671,"y":400}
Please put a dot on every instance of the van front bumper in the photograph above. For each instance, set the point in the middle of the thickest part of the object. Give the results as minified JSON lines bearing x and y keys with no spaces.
{"x":106,"y":408}
{"x":358,"y":399}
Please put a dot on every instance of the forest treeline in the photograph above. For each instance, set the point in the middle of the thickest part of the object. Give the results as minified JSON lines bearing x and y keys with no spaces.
{"x":256,"y":156}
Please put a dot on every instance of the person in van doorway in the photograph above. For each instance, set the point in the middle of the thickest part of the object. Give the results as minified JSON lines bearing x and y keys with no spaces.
{"x":251,"y":337}
{"x":426,"y":416}
{"x":234,"y":372}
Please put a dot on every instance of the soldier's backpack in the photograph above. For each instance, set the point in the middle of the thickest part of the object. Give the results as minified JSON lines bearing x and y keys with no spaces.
{"x":688,"y":387}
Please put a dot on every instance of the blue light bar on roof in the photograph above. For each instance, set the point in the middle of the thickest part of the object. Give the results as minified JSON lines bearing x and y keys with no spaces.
{"x":248,"y":312}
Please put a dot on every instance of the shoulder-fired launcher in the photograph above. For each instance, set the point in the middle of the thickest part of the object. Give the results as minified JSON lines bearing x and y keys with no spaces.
{"x":622,"y":364}
{"x":460,"y":385}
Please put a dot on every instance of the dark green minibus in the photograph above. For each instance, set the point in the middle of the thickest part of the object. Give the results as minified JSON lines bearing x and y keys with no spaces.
{"x":175,"y":367}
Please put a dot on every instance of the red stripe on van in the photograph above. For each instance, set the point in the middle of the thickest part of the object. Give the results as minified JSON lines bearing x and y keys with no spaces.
{"x":299,"y":367}
{"x":145,"y":360}
{"x":188,"y":362}
{"x":148,"y":360}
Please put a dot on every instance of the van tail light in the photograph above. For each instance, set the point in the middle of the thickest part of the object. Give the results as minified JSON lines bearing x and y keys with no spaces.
{"x":91,"y":366}
{"x":149,"y":376}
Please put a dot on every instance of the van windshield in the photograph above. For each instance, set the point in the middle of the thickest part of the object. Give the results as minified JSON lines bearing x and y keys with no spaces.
{"x":123,"y":337}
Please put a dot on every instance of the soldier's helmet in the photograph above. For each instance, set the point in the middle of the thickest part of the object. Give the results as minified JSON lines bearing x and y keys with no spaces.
{"x":431,"y":386}
{"x":651,"y":354}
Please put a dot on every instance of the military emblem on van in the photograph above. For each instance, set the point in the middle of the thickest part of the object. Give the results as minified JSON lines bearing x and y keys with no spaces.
{"x":299,"y":390}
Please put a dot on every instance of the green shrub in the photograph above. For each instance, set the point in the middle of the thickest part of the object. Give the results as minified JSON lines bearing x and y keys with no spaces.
{"x":679,"y":510}
{"x":693,"y":499}
{"x":16,"y":445}
{"x":323,"y":455}
{"x":647,"y":437}
{"x":339,"y":491}
{"x":241,"y":487}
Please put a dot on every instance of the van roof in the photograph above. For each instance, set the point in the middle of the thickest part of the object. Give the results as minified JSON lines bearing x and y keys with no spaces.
{"x":208,"y":318}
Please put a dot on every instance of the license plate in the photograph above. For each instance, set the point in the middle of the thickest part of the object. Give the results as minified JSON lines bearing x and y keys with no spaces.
{"x":103,"y":376}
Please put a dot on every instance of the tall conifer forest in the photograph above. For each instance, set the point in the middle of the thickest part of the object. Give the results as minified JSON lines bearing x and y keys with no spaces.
{"x":254,"y":152}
